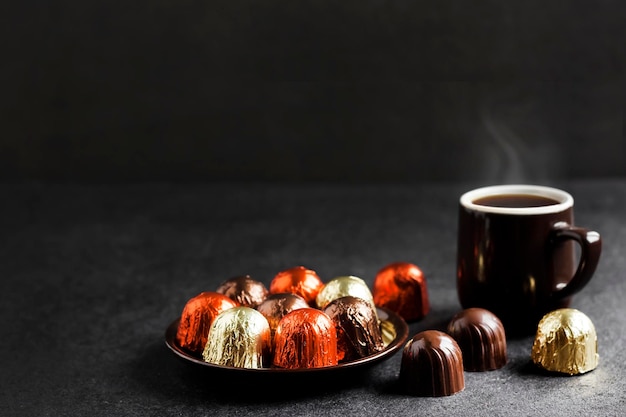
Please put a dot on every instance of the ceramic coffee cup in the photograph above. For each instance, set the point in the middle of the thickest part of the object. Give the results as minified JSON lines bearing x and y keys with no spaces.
{"x":517,"y":256}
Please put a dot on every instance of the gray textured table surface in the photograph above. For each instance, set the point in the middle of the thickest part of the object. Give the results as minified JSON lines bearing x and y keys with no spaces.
{"x":92,"y":275}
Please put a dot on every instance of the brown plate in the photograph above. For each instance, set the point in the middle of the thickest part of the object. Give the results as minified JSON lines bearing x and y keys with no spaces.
{"x":395,"y":332}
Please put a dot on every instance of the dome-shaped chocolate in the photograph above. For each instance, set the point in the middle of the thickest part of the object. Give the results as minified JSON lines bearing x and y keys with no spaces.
{"x":480,"y":335}
{"x":401,"y":287}
{"x":566,"y":342}
{"x":358,"y":330}
{"x":197,"y":317}
{"x":239,"y":337}
{"x":246,"y":291}
{"x":276,"y":306}
{"x":305,"y":338}
{"x":432,"y":365}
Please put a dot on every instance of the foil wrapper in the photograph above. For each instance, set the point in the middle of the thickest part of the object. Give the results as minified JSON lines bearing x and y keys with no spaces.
{"x":358,"y":330}
{"x":401,"y":287}
{"x":239,"y":337}
{"x":197,"y":317}
{"x":481,"y":337}
{"x":298,"y":280}
{"x":246,"y":291}
{"x":432,"y":365}
{"x":342,"y":287}
{"x":388,"y":332}
{"x":276,"y":306}
{"x":305,"y":338}
{"x":566,"y":342}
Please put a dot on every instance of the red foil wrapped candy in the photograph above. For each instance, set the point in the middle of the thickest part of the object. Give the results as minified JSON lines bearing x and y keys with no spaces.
{"x":276,"y":306}
{"x":197,"y":317}
{"x":298,"y":280}
{"x":401,"y":287}
{"x":305,"y":338}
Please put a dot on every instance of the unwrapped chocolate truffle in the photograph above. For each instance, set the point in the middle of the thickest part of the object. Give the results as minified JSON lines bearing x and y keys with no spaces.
{"x":343,"y":286}
{"x":245,"y":290}
{"x":298,"y":280}
{"x":305,"y":338}
{"x":276,"y":306}
{"x":432,"y":365}
{"x":481,"y":337}
{"x":401,"y":287}
{"x":197,"y":317}
{"x":239,"y":337}
{"x":358,"y":331}
{"x":566,"y":342}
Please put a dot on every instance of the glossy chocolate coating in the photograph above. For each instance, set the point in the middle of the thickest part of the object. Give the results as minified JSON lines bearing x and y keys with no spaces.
{"x":566,"y":342}
{"x":481,"y":337}
{"x":401,"y":287}
{"x":245,"y":290}
{"x":358,"y":330}
{"x":432,"y":365}
{"x":239,"y":337}
{"x":276,"y":306}
{"x":298,"y":280}
{"x":197,"y":317}
{"x":305,"y":338}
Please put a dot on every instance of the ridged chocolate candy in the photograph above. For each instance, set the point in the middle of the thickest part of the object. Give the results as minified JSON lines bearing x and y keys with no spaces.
{"x":197,"y":317}
{"x":239,"y":337}
{"x":566,"y":342}
{"x":276,"y":306}
{"x":245,"y":290}
{"x":298,"y":280}
{"x":401,"y":287}
{"x":481,"y":337}
{"x":432,"y":365}
{"x":305,"y":338}
{"x":358,"y":331}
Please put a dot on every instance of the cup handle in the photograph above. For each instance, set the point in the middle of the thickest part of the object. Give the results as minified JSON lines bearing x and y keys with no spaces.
{"x":591,"y":247}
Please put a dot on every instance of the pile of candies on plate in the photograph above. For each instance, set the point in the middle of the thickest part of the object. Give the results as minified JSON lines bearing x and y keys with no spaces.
{"x":301,"y":322}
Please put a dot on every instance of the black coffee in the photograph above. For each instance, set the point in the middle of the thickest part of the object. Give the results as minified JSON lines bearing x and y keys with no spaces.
{"x":515,"y":200}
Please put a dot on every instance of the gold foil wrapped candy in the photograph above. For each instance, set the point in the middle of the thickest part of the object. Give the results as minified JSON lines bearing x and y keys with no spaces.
{"x":566,"y":342}
{"x":239,"y":337}
{"x":344,"y":286}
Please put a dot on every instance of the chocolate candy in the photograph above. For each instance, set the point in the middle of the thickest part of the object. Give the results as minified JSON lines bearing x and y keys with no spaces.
{"x":239,"y":337}
{"x":305,"y":338}
{"x":341,"y":287}
{"x":197,"y":317}
{"x":358,"y":331}
{"x":245,"y":290}
{"x":401,"y":287}
{"x":298,"y":280}
{"x":566,"y":342}
{"x":432,"y":365}
{"x":481,"y":337}
{"x":276,"y":306}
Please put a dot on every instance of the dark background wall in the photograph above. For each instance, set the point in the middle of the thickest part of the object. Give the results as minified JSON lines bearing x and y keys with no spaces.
{"x":185,"y":90}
